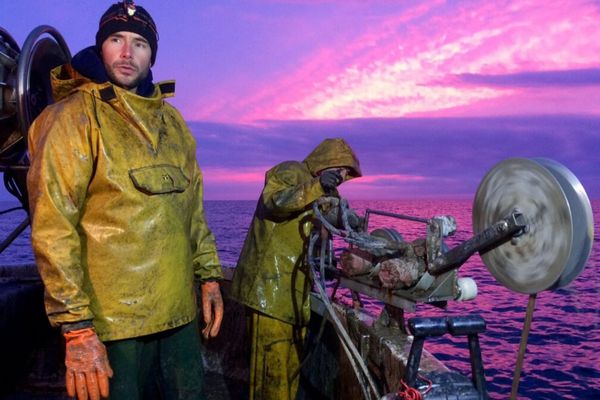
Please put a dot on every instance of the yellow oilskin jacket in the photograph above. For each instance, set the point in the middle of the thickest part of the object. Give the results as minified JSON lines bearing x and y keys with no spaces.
{"x":272,"y":274}
{"x":118,"y":225}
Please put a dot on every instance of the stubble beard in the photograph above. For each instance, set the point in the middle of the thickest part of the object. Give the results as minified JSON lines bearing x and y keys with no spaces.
{"x":126,"y":83}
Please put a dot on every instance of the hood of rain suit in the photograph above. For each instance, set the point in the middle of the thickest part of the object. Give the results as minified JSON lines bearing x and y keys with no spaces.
{"x":118,"y":226}
{"x":272,"y":274}
{"x":333,"y":153}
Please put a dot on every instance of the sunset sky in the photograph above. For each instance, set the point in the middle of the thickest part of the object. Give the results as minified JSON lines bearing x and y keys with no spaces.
{"x":430,"y":94}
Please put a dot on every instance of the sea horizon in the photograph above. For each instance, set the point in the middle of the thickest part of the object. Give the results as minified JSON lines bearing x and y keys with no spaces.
{"x":563,"y":353}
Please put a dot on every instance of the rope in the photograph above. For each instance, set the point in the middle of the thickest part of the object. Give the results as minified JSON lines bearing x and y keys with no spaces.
{"x":406,"y":392}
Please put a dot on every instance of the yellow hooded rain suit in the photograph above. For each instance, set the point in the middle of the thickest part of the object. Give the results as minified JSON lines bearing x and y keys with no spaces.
{"x":272,"y":276}
{"x":116,"y":195}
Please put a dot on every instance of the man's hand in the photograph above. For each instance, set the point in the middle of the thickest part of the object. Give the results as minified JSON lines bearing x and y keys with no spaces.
{"x":87,"y":365}
{"x":330,"y":179}
{"x":212,"y":308}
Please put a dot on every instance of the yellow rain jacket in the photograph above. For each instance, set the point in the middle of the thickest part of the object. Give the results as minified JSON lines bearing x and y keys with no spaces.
{"x":272,"y":272}
{"x":118,"y":226}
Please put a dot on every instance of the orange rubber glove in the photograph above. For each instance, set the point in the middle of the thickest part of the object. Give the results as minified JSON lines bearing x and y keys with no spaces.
{"x":212,"y":308}
{"x":87,"y":365}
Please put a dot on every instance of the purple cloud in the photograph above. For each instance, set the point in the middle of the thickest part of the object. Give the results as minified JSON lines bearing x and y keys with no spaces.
{"x":568,"y":78}
{"x":401,"y":157}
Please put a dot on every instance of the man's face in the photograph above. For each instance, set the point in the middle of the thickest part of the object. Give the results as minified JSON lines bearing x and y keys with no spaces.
{"x":126,"y":57}
{"x":342,"y":170}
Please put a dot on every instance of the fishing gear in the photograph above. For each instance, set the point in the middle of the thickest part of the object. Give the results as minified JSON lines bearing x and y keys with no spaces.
{"x":532,"y":225}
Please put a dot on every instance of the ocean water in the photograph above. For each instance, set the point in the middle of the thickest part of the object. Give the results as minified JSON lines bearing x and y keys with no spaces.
{"x":563,"y":353}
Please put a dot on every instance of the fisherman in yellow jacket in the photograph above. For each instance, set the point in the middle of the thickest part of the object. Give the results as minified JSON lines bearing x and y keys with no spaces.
{"x":118,"y":226}
{"x":272,"y":277}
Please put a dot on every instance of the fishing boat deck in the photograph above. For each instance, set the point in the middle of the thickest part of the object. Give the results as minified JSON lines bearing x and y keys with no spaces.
{"x":37,"y":371}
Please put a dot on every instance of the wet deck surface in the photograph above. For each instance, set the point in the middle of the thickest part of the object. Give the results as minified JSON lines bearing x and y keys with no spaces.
{"x":218,"y":388}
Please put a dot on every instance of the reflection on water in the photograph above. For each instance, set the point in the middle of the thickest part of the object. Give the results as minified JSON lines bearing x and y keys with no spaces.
{"x":563,"y":354}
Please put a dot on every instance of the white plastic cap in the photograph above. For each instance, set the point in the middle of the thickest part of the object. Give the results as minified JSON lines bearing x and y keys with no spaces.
{"x":467,"y":289}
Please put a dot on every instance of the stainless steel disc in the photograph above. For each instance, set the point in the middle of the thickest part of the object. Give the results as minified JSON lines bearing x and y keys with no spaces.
{"x":43,"y":50}
{"x":582,"y":219}
{"x":536,"y":260}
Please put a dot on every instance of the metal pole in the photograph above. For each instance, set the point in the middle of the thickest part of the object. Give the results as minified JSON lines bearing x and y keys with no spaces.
{"x":13,"y":235}
{"x":523,"y":346}
{"x":399,"y":216}
{"x":477,"y":373}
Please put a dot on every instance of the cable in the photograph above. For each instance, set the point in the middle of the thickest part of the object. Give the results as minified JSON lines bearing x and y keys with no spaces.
{"x":356,"y":361}
{"x":354,"y":357}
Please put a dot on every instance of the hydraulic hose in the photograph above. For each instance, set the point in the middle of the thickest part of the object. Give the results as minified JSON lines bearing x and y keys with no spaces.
{"x":358,"y":364}
{"x":354,"y":357}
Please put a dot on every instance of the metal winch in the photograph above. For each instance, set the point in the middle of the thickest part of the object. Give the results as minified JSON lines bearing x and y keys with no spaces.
{"x":532,"y":225}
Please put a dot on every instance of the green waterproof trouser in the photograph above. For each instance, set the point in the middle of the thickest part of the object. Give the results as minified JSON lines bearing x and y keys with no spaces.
{"x":275,"y":358}
{"x":162,"y":366}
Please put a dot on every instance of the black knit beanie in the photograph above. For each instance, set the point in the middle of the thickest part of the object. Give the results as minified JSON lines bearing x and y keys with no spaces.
{"x":126,"y":16}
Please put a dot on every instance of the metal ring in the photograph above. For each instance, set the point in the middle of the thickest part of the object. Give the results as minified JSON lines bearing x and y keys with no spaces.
{"x":24,"y":113}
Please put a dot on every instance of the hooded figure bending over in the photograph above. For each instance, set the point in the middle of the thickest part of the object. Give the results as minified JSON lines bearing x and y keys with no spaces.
{"x":272,"y":277}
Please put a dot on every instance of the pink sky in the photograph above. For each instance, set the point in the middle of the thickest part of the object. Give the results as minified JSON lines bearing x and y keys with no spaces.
{"x":412,"y":62}
{"x":265,"y":81}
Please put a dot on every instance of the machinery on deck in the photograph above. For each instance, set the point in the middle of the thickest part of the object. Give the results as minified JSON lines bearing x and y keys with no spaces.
{"x":383,"y":265}
{"x":532,"y":225}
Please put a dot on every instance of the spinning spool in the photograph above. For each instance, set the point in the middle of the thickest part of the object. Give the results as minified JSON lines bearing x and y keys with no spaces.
{"x":553,"y":249}
{"x":557,"y":241}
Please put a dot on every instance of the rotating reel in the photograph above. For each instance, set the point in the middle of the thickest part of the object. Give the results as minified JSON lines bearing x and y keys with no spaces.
{"x":25,"y":86}
{"x":555,"y":245}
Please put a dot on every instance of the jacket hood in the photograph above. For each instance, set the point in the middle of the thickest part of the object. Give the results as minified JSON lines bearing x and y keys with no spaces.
{"x":64,"y":80}
{"x":332,"y":153}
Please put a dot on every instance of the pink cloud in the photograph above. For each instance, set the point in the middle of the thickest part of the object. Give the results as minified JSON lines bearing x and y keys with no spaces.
{"x":370,"y":179}
{"x":394,"y":67}
{"x":248,"y":184}
{"x":528,"y":101}
{"x":255,"y":175}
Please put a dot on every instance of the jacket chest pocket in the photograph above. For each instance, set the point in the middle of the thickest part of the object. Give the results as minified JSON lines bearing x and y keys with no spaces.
{"x":159,"y":179}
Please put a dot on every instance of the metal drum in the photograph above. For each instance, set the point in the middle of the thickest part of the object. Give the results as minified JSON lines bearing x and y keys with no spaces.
{"x":43,"y":50}
{"x":25,"y":86}
{"x":552,"y":251}
{"x":25,"y":90}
